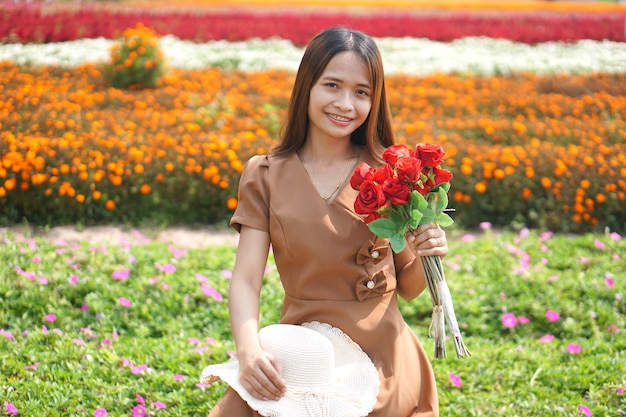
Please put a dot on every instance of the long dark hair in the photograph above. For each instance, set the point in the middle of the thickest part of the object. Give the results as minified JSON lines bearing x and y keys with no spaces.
{"x":375,"y":134}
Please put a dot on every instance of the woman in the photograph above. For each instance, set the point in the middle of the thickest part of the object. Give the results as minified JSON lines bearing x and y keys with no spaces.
{"x":333,"y":269}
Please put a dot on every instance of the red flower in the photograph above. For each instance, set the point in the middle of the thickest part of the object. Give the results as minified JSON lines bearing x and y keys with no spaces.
{"x":397,"y":190}
{"x":370,"y":198}
{"x":438,"y":176}
{"x":409,"y":169}
{"x":361,"y":173}
{"x":392,"y":154}
{"x":431,"y":155}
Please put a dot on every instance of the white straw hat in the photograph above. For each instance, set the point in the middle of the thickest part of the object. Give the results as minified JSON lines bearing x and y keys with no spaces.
{"x":327,"y":374}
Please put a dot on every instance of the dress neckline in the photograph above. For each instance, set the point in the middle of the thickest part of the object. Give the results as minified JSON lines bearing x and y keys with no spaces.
{"x":342,"y":184}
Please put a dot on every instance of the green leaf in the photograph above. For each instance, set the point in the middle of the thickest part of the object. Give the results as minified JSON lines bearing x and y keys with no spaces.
{"x":383,"y":227}
{"x":398,"y":242}
{"x":442,"y":219}
{"x":442,"y":200}
{"x":416,"y":216}
{"x":428,"y":216}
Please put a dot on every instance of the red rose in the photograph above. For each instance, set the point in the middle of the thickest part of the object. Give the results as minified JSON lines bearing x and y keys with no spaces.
{"x":361,"y":173}
{"x":409,"y":169}
{"x":431,"y":155}
{"x":370,"y":198}
{"x":382,"y":174}
{"x":439,"y":176}
{"x":395,"y":152}
{"x":372,"y":217}
{"x":397,"y":191}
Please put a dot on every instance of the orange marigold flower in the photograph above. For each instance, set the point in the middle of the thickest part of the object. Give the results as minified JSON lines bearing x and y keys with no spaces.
{"x":97,"y":195}
{"x":526,"y":193}
{"x":10,"y":184}
{"x":546,"y":182}
{"x":481,"y":187}
{"x":585,"y":183}
{"x":600,"y":198}
{"x":80,"y":198}
{"x":3,"y":192}
{"x":109,"y":205}
{"x":145,"y":189}
{"x":231,"y":203}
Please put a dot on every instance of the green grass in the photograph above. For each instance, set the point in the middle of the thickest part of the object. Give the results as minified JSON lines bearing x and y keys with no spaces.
{"x":91,"y":357}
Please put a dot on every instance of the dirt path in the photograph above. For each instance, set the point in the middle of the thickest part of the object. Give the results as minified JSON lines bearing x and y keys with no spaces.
{"x":182,"y":237}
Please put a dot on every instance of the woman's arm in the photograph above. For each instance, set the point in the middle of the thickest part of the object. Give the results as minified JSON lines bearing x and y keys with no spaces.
{"x":259,"y":372}
{"x":427,"y":240}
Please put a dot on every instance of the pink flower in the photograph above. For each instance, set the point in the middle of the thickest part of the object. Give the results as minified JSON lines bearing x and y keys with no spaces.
{"x":211,"y":292}
{"x":11,"y":410}
{"x":554,"y":277}
{"x":227,"y":274}
{"x":50,"y":318}
{"x":159,"y":405}
{"x":615,"y":236}
{"x":140,"y":400}
{"x":139,"y":411}
{"x":178,"y":253}
{"x":106,"y":342}
{"x":552,"y":315}
{"x":138,"y":369}
{"x":73,"y":279}
{"x":468,"y":237}
{"x":598,"y":244}
{"x":547,"y":338}
{"x":79,"y":342}
{"x":612,"y":328}
{"x":509,"y":320}
{"x":620,"y":390}
{"x":586,"y":411}
{"x":608,"y":280}
{"x":573,"y":348}
{"x":194,"y":341}
{"x":179,"y":377}
{"x":455,"y":379}
{"x":125,"y":302}
{"x":167,"y":268}
{"x":121,"y":275}
{"x":7,"y":334}
{"x":100,"y":412}
{"x":33,"y":366}
{"x":583,"y":260}
{"x":485,"y":225}
{"x":523,"y":320}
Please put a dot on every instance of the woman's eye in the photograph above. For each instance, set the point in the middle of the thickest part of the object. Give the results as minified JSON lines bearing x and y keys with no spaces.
{"x":332,"y":85}
{"x":362,"y":93}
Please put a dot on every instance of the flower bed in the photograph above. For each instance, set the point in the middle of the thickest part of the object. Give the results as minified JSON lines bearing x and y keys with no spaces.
{"x":546,"y":151}
{"x":37,"y":23}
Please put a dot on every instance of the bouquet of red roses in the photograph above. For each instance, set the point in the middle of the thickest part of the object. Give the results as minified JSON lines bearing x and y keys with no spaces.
{"x":409,"y":190}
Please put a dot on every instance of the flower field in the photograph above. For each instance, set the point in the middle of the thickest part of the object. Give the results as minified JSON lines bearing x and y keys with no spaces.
{"x":124,"y":329}
{"x":528,"y":148}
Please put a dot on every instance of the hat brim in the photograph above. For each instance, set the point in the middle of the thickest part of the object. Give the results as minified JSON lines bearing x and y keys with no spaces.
{"x":352,"y":392}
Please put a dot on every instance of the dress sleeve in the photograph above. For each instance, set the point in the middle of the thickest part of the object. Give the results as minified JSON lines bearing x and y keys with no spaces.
{"x":253,"y":196}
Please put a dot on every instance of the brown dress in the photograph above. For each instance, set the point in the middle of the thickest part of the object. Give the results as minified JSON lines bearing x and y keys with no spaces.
{"x":334,"y":270}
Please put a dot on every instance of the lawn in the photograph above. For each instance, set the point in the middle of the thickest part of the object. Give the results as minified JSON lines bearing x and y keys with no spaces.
{"x":126,"y":328}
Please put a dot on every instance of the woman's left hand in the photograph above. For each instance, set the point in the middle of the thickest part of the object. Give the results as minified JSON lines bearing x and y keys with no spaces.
{"x":427,"y":240}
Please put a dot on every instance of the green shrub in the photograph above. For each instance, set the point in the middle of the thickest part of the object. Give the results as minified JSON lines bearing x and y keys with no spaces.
{"x":136,"y":61}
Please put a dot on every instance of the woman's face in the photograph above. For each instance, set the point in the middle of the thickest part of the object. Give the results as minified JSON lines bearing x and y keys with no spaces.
{"x":340,"y":100}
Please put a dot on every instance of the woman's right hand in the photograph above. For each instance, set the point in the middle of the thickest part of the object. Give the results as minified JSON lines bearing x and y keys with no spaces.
{"x":261,"y":375}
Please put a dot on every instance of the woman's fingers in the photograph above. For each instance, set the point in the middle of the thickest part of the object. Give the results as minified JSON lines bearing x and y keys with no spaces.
{"x":263,"y":379}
